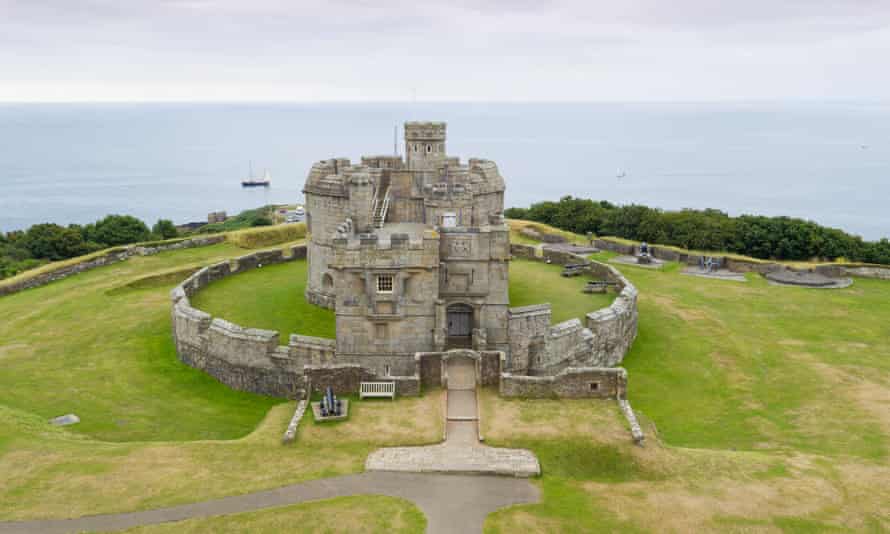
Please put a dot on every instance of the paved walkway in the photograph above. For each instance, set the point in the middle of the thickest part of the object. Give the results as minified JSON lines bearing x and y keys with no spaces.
{"x":451,"y":503}
{"x":461,"y":452}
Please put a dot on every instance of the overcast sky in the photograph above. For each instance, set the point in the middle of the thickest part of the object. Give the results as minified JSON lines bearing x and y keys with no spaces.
{"x":502,"y":50}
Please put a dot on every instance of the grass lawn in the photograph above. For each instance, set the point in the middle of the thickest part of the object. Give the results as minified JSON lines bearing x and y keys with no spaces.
{"x":270,"y":298}
{"x":154,"y":432}
{"x":772,"y":407}
{"x":534,"y":282}
{"x":361,"y":513}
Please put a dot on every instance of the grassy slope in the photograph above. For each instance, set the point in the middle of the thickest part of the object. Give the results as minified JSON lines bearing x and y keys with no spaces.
{"x":270,"y":298}
{"x":776,"y":397}
{"x":366,"y":513}
{"x":90,"y":345}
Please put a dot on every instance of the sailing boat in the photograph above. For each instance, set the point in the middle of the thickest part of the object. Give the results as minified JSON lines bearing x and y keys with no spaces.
{"x":253,"y":181}
{"x":620,"y":174}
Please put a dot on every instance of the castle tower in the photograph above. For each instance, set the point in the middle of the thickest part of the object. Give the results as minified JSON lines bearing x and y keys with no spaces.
{"x":424,"y":145}
{"x":360,"y":199}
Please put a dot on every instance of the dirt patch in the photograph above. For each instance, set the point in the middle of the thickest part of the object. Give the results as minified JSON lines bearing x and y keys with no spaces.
{"x":669,"y":304}
{"x":696,"y":506}
{"x":506,"y":419}
{"x":9,"y":349}
{"x":866,"y":489}
{"x":871,"y":396}
{"x":792,"y":342}
{"x":409,"y":421}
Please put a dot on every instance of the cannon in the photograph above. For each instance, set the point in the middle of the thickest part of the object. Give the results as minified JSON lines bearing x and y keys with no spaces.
{"x":644,"y":258}
{"x":330,"y":404}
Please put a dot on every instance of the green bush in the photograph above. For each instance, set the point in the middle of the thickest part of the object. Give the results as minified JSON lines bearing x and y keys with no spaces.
{"x":164,"y":229}
{"x":116,"y":230}
{"x":780,"y":238}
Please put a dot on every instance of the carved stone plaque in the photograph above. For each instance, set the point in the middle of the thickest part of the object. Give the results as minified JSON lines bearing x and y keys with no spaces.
{"x":460,"y":248}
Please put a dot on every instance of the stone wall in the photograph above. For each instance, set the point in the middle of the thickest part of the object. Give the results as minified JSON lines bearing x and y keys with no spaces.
{"x":605,"y":337}
{"x":345,"y":378}
{"x":245,"y":359}
{"x":111,"y":256}
{"x":743,"y":265}
{"x":572,"y":382}
{"x":526,"y":328}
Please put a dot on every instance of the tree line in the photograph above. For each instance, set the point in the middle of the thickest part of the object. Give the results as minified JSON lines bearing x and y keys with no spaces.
{"x":21,"y":250}
{"x":41,"y":243}
{"x":776,"y":238}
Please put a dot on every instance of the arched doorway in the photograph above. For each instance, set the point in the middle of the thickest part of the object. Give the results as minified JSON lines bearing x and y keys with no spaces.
{"x":459,"y":320}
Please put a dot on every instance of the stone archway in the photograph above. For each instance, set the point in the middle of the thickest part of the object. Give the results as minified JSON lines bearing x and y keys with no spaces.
{"x":461,"y":369}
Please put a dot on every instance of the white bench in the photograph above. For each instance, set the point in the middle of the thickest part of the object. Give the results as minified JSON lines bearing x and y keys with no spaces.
{"x":377,"y":389}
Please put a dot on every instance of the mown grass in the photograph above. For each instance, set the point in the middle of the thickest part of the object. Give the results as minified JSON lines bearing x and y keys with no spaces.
{"x":533,"y":282}
{"x":99,"y":347}
{"x":266,"y":236}
{"x":271,"y":298}
{"x":772,"y":403}
{"x":56,"y":472}
{"x":361,"y":513}
{"x":778,"y":397}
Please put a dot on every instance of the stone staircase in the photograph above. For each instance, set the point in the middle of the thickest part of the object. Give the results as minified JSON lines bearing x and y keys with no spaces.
{"x":381,"y":202}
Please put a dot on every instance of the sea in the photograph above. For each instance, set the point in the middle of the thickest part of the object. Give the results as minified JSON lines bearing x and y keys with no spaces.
{"x":824,"y":161}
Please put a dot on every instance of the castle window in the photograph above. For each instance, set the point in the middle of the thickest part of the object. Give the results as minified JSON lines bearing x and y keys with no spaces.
{"x":449,"y":220}
{"x":594,"y":386}
{"x":384,"y":283}
{"x":429,"y":148}
{"x":327,"y":281}
{"x":415,"y":147}
{"x":387,"y":370}
{"x":380,"y":331}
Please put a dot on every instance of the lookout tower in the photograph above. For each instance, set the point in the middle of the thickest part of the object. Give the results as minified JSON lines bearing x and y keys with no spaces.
{"x":424,"y":145}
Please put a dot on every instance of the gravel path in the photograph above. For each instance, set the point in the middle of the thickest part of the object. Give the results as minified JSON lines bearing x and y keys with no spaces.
{"x":451,"y":503}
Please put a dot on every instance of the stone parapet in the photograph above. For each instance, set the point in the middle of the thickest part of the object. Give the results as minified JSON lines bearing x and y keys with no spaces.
{"x":572,"y":382}
{"x":246,"y":359}
{"x":605,"y":337}
{"x":742,"y":265}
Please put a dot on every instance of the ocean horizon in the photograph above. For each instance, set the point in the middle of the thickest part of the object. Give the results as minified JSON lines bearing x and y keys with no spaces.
{"x":74,"y":163}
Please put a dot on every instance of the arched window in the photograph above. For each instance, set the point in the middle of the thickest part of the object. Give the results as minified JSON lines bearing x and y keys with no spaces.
{"x":327,"y":282}
{"x":415,"y":147}
{"x":429,"y":148}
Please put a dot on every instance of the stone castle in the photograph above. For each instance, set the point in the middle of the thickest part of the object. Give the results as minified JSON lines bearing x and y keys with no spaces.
{"x":412,"y":254}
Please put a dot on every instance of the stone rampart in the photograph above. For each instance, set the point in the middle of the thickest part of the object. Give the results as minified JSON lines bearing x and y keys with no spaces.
{"x":245,"y":359}
{"x":742,"y":265}
{"x":605,"y":337}
{"x":572,"y":382}
{"x":109,"y":257}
